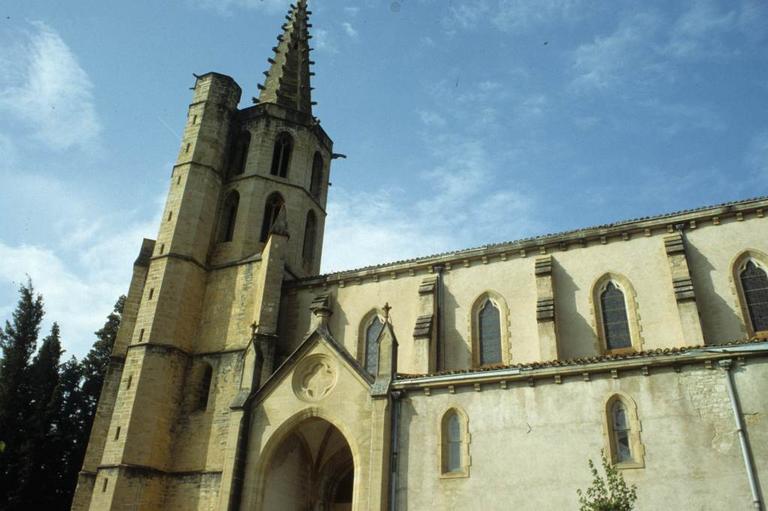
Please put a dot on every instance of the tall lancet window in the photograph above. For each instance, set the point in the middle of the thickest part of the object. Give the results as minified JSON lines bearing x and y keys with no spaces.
{"x":229,"y":216}
{"x":620,"y":432}
{"x":310,"y":235}
{"x":489,"y":333}
{"x":754,"y":283}
{"x":281,"y":156}
{"x":615,"y":322}
{"x":241,"y":153}
{"x":316,"y":182}
{"x":271,"y":210}
{"x":454,"y":440}
{"x":372,"y":332}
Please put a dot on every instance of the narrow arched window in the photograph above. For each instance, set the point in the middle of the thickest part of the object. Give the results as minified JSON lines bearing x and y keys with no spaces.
{"x":281,"y":156}
{"x":229,"y":216}
{"x":205,"y":387}
{"x":454,"y":456}
{"x":271,"y":210}
{"x":489,"y":333}
{"x":621,"y":432}
{"x":240,"y":156}
{"x":453,"y":438}
{"x":372,"y":332}
{"x":615,"y":322}
{"x":316,"y":182}
{"x":754,"y":283}
{"x":310,"y":230}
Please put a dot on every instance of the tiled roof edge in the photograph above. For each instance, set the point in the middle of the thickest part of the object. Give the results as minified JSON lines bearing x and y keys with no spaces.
{"x":552,"y":236}
{"x":585,"y":360}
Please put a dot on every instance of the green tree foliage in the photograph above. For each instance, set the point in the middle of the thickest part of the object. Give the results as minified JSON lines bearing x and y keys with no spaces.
{"x":46,"y":407}
{"x":18,"y":340}
{"x":609,"y":494}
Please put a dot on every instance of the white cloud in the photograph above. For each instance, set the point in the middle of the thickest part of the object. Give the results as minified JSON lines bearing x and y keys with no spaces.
{"x":45,"y":88}
{"x":77,"y":296}
{"x":226,"y":6}
{"x":430,"y":118}
{"x":616,"y":58}
{"x":520,"y":15}
{"x":463,"y":205}
{"x":349,"y":29}
{"x":324,"y":41}
{"x":757,"y":156}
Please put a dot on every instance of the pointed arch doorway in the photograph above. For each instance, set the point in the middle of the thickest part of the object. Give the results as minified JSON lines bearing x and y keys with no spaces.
{"x":310,"y":470}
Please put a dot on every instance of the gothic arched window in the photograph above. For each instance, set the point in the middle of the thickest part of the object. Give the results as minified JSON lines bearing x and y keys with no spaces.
{"x":310,"y":235}
{"x":620,"y":432}
{"x":241,"y":153}
{"x":229,"y":216}
{"x":623,"y":428}
{"x":614,"y":318}
{"x":281,"y":156}
{"x":316,"y":182}
{"x":371,"y":355}
{"x":754,"y":285}
{"x":454,"y":449}
{"x":271,"y":210}
{"x":489,"y":334}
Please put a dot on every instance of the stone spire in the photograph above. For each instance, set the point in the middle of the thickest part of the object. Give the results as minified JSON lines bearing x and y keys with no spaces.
{"x":287,"y":82}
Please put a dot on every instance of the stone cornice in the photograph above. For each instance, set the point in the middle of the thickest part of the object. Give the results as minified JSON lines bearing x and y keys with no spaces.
{"x":557,"y":374}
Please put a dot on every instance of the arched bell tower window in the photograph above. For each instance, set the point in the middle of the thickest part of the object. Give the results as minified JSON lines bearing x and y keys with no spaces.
{"x":241,"y":153}
{"x":316,"y":182}
{"x":229,"y":216}
{"x":271,"y":210}
{"x":310,"y":235}
{"x":281,"y":156}
{"x":205,"y":387}
{"x":373,"y":327}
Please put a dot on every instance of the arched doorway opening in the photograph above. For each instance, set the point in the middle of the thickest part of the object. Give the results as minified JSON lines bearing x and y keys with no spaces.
{"x":310,"y":470}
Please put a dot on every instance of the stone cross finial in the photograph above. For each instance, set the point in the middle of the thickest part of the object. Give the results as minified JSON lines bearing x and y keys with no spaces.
{"x":386,"y":308}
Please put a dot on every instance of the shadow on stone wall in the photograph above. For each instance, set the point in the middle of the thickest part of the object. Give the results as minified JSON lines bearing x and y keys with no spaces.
{"x":575,"y":333}
{"x":719,"y":321}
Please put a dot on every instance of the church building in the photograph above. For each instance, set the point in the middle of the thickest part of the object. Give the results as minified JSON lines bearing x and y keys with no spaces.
{"x":483,"y":379}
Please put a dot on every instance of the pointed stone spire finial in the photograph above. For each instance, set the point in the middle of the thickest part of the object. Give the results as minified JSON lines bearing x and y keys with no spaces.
{"x":288,"y":79}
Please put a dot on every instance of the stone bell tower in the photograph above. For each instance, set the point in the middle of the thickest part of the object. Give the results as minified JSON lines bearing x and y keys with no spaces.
{"x":245,"y":211}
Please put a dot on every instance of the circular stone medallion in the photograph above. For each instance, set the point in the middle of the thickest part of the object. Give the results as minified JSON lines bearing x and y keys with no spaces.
{"x":314,"y":378}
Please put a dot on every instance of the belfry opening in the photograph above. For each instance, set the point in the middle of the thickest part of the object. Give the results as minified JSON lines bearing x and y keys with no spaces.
{"x":310,"y":470}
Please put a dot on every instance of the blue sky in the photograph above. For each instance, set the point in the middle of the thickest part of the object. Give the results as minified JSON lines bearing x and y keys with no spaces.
{"x":465,"y":122}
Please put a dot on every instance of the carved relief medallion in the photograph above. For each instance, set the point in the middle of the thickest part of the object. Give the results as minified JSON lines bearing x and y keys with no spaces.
{"x":314,"y":378}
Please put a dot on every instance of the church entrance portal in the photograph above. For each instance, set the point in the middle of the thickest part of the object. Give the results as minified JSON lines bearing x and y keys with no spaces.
{"x":311,"y":470}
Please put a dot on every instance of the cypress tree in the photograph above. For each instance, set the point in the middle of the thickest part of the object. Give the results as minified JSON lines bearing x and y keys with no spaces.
{"x":18,"y":340}
{"x":41,"y":449}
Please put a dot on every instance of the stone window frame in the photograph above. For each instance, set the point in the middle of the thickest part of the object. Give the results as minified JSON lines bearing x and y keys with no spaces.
{"x":630,"y":303}
{"x":362,"y":346}
{"x":635,"y":427}
{"x":474,"y":327}
{"x":738,"y":265}
{"x":466,"y":438}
